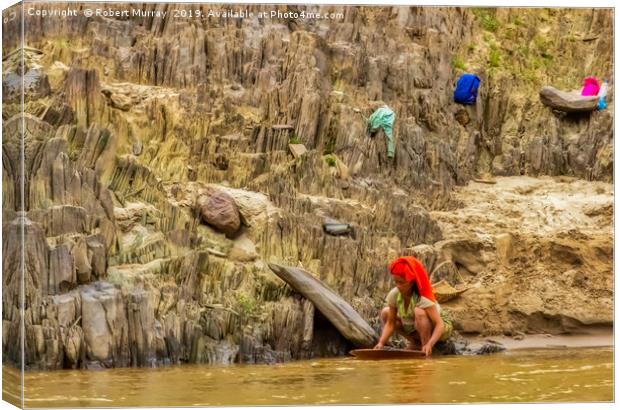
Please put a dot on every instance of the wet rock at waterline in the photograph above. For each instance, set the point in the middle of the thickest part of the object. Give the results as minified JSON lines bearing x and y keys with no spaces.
{"x":463,"y":347}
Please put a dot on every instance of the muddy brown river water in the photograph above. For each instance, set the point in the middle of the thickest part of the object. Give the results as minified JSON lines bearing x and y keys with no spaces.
{"x":550,"y":375}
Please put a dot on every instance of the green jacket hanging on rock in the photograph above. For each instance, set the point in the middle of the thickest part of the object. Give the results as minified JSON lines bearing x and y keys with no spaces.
{"x":383,"y":118}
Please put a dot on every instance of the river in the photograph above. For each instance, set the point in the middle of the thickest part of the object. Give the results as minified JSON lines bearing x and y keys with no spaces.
{"x":549,"y":375}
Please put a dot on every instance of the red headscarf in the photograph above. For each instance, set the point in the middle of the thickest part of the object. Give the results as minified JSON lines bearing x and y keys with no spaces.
{"x":412,"y":270}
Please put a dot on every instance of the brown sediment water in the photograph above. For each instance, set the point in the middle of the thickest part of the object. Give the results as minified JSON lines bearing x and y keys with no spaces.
{"x":542,"y":375}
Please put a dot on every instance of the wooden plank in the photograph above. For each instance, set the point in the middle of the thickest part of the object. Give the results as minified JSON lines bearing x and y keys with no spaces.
{"x":383,"y":354}
{"x":344,"y":318}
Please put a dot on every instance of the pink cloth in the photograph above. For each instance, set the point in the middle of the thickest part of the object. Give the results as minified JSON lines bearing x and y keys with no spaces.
{"x":590,"y":87}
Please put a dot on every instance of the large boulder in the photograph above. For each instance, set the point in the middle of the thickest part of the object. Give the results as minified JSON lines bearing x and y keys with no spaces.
{"x":104,"y":321}
{"x":219,"y":210}
{"x":255,"y":207}
{"x":470,"y":253}
{"x":567,"y":102}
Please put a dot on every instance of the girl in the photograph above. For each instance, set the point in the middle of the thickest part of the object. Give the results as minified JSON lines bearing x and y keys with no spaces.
{"x":412,"y":308}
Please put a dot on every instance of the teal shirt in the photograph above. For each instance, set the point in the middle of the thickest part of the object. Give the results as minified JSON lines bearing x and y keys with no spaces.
{"x":384,"y":118}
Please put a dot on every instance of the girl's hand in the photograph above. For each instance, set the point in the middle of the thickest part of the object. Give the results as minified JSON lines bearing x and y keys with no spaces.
{"x":378,"y":346}
{"x":427,"y":349}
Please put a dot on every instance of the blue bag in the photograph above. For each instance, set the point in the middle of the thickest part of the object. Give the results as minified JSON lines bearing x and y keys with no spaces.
{"x":466,"y":89}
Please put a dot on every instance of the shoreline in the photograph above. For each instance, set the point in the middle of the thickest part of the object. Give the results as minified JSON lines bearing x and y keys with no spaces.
{"x":594,"y":337}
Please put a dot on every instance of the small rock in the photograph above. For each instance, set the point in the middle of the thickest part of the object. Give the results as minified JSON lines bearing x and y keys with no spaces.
{"x":191,"y":173}
{"x":297,"y":149}
{"x":343,"y":170}
{"x":137,"y":148}
{"x":221,"y":162}
{"x":462,"y":117}
{"x":176,"y":191}
{"x":336,"y":228}
{"x":215,"y":252}
{"x":485,"y":348}
{"x":93,"y":365}
{"x":487,"y":181}
{"x":122,"y":102}
{"x":243,"y":250}
{"x":338,"y":95}
{"x":344,"y":185}
{"x":504,"y":245}
{"x":57,"y":65}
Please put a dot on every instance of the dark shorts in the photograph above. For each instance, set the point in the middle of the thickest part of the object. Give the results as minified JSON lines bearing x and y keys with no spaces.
{"x":410,"y":330}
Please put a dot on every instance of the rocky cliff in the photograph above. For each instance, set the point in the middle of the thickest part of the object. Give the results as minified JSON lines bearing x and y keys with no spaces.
{"x":158,"y":180}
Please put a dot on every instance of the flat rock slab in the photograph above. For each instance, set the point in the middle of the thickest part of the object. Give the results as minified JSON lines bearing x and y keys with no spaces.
{"x":282,"y":127}
{"x":344,"y":318}
{"x":334,"y":227}
{"x":383,"y":354}
{"x":567,"y":102}
{"x":297,"y":149}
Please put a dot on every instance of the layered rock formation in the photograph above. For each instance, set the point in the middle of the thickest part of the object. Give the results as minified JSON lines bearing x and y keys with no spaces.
{"x":158,"y":182}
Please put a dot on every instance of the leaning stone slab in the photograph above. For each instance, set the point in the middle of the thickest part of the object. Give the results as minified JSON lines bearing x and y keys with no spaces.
{"x":567,"y":102}
{"x":344,"y":318}
{"x":297,"y":149}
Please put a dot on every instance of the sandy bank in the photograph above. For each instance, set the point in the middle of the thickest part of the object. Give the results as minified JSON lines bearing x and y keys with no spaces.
{"x":591,"y":337}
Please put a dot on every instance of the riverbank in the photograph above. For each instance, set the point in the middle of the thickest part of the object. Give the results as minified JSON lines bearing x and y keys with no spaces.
{"x":586,"y":338}
{"x":535,"y":254}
